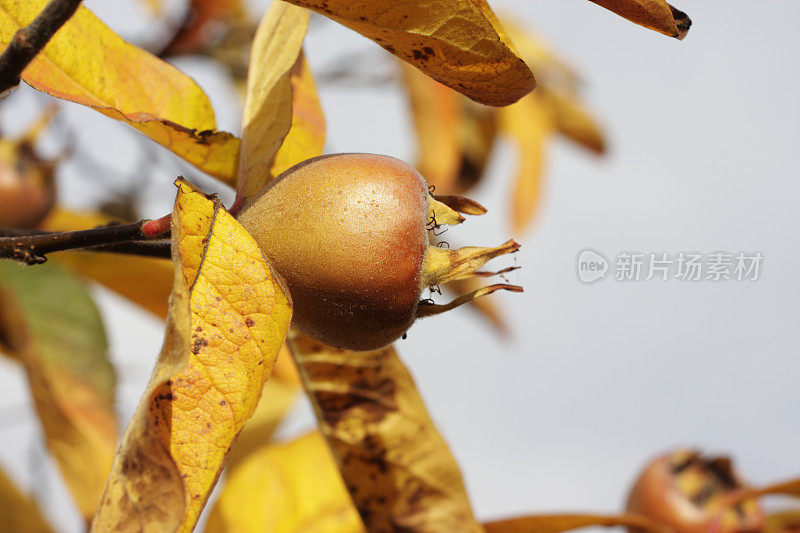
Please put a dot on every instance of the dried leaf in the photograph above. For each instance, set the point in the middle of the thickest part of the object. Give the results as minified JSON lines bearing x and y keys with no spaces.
{"x":286,"y":488}
{"x":395,"y":464}
{"x":551,"y":69}
{"x":228,"y":317}
{"x":146,"y":281}
{"x":529,"y":124}
{"x":459,"y":43}
{"x":783,"y":522}
{"x":19,"y":513}
{"x":306,"y":137}
{"x":436,"y":113}
{"x":268,"y":106}
{"x":87,"y":63}
{"x":50,"y":324}
{"x":653,"y":14}
{"x":558,"y":523}
{"x":573,"y":121}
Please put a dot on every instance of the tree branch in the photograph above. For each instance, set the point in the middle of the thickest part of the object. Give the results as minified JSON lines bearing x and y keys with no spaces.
{"x":30,"y":40}
{"x":135,"y":238}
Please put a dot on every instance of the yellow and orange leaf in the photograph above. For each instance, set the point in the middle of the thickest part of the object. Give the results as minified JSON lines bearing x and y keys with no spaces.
{"x":50,"y":324}
{"x":559,"y":523}
{"x":286,"y":488}
{"x":656,"y":15}
{"x":268,"y":105}
{"x":529,"y":124}
{"x":227,"y":321}
{"x":306,"y":137}
{"x":395,"y":464}
{"x":436,"y":113}
{"x":783,"y":522}
{"x":87,"y":63}
{"x":573,"y":121}
{"x":18,"y":512}
{"x":459,"y":43}
{"x":146,"y":281}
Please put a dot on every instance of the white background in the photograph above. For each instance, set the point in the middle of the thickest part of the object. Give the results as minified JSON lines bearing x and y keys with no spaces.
{"x":599,"y":378}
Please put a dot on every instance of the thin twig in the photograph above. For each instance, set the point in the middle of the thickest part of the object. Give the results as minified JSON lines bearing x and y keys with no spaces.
{"x":119,"y":238}
{"x":30,"y":40}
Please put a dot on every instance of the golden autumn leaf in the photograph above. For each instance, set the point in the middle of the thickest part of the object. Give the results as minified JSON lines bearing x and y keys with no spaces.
{"x":459,"y":43}
{"x":436,"y":113}
{"x":87,"y":63}
{"x":656,"y":15}
{"x":146,"y":281}
{"x":573,"y":121}
{"x":286,"y":488}
{"x":50,"y":324}
{"x":783,"y":522}
{"x":395,"y":464}
{"x":268,"y":105}
{"x":558,"y":523}
{"x":277,"y":397}
{"x":228,"y":318}
{"x":306,"y":137}
{"x":18,"y":512}
{"x":529,"y":124}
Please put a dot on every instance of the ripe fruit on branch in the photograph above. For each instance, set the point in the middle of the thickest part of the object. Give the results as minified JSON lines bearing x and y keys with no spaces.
{"x":691,"y":494}
{"x":27,"y":188}
{"x":349,"y":235}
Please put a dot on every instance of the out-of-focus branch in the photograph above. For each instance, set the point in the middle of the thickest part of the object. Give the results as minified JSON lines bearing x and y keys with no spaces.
{"x":30,"y":40}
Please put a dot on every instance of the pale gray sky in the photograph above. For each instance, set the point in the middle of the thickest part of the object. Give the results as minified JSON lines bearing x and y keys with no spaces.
{"x":598,"y":378}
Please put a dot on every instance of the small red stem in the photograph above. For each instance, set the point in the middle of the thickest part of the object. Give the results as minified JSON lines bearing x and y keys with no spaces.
{"x":153,"y":228}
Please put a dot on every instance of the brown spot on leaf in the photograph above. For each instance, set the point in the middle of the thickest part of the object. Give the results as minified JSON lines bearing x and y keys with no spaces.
{"x":199,"y":343}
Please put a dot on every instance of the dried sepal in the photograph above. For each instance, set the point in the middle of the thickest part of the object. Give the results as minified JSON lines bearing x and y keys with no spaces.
{"x":426,"y":308}
{"x":440,"y":213}
{"x":442,"y":265}
{"x":460,"y":204}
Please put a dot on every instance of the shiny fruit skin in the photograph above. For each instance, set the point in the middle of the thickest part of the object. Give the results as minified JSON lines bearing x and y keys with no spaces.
{"x":347,"y":232}
{"x":656,"y":496}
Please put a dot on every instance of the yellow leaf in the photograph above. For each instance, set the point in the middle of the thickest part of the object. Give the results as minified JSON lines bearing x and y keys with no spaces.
{"x":653,"y":14}
{"x":19,"y":513}
{"x":529,"y":124}
{"x":558,"y":523}
{"x":268,"y":105}
{"x":783,"y":522}
{"x":551,"y":70}
{"x":286,"y":488}
{"x":395,"y":464}
{"x":572,"y":120}
{"x":146,"y":281}
{"x":436,"y":112}
{"x":87,"y":63}
{"x":306,"y":138}
{"x":49,"y":323}
{"x":459,"y":43}
{"x":228,"y":318}
{"x":277,"y":397}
